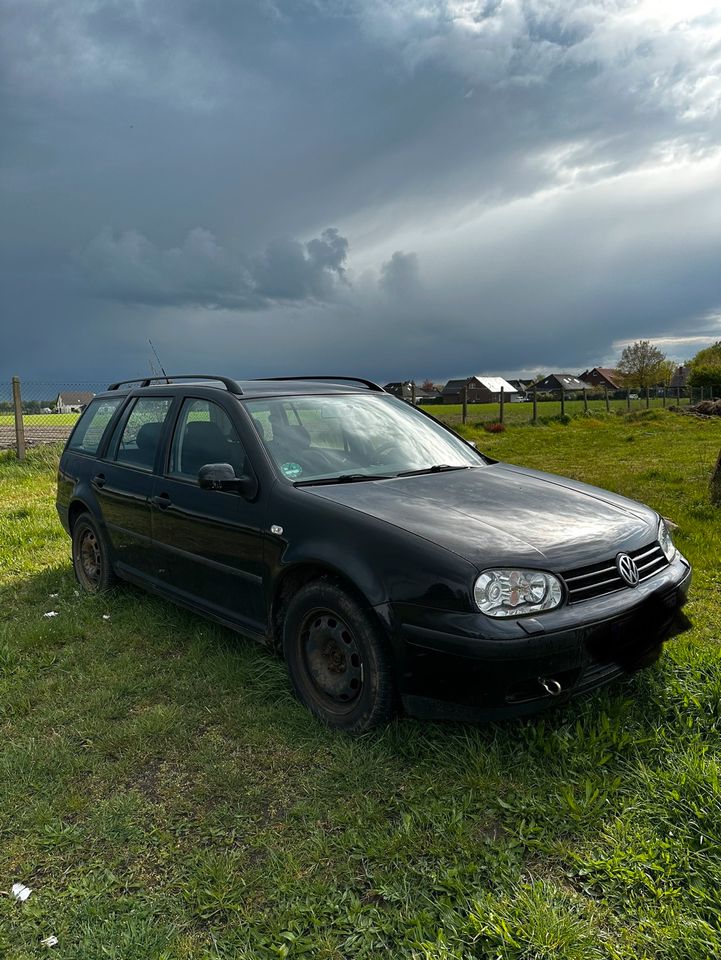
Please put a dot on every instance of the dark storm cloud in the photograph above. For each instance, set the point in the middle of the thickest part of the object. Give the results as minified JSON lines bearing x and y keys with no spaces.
{"x":514,"y":184}
{"x":128,"y":268}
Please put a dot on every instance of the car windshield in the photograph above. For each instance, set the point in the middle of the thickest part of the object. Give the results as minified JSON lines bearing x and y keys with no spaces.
{"x":352,"y":437}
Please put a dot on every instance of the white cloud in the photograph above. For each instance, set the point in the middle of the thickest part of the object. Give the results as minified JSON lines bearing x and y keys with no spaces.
{"x":654,"y":51}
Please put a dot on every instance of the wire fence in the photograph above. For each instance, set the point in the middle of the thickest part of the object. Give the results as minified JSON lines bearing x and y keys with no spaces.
{"x":34,"y":412}
{"x":548,"y":405}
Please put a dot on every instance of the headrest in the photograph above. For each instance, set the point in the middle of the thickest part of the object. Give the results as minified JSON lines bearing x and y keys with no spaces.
{"x":148,"y":436}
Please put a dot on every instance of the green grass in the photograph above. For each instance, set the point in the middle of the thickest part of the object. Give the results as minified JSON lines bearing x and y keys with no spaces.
{"x":165,"y":796}
{"x":40,"y":419}
{"x":516,"y":413}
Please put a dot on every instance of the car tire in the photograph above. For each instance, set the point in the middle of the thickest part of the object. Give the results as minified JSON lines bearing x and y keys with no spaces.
{"x":337,"y":658}
{"x":91,"y":556}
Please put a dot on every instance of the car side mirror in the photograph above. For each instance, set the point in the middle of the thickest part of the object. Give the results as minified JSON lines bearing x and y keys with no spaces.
{"x":221,"y":476}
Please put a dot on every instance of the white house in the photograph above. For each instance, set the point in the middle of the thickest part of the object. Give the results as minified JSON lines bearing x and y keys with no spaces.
{"x":73,"y":401}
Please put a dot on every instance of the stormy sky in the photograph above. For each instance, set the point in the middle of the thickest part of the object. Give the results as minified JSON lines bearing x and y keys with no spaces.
{"x":374,"y":187}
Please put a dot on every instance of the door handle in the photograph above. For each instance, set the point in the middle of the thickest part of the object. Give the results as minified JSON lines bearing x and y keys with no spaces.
{"x":99,"y":480}
{"x":162,"y":500}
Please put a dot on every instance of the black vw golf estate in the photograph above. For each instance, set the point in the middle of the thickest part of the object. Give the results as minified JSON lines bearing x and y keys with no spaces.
{"x":390,"y":562}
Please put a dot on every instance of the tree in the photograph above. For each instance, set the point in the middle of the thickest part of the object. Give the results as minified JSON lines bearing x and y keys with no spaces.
{"x":706,"y":375}
{"x":641,"y":364}
{"x":706,"y":367}
{"x":666,"y":372}
{"x":428,"y":385}
{"x":711,"y":355}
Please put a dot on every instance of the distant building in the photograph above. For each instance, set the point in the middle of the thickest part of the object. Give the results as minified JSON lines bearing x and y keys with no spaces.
{"x":679,"y":380}
{"x":601,"y":377}
{"x":522,"y":386}
{"x":400,"y":388}
{"x":73,"y":401}
{"x":406,"y":391}
{"x":560,"y":381}
{"x":479,"y":389}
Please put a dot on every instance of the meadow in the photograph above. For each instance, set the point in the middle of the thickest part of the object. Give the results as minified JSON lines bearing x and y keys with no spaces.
{"x":548,"y":410}
{"x":40,"y":419}
{"x":164,"y":795}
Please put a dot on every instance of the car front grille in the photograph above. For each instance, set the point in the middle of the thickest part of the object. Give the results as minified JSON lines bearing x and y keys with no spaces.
{"x":598,"y":579}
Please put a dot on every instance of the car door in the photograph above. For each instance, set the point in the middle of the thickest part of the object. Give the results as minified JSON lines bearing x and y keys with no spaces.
{"x":123,"y":482}
{"x":209,"y":542}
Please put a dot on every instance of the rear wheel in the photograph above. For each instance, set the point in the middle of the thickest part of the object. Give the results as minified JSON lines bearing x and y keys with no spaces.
{"x":337,"y":659}
{"x":91,"y":559}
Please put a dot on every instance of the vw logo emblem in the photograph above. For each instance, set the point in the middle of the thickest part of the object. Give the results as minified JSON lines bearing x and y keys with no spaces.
{"x":627,"y":569}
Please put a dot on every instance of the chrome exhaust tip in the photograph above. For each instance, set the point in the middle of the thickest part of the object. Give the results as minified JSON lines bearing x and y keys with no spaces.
{"x":552,"y":687}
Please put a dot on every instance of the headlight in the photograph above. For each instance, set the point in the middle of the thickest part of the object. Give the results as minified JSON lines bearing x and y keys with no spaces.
{"x":513,"y":593}
{"x":664,"y":538}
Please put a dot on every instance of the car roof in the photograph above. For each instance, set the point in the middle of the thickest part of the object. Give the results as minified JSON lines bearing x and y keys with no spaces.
{"x":244,"y":389}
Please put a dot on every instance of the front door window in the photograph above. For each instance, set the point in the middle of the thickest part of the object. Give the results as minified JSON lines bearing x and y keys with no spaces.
{"x":204,"y":434}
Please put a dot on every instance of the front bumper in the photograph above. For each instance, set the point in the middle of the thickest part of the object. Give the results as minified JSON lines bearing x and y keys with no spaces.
{"x":468,"y":666}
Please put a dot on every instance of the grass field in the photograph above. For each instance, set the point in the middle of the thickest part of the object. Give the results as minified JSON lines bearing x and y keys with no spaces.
{"x":40,"y":419}
{"x":548,"y":410}
{"x":165,"y":797}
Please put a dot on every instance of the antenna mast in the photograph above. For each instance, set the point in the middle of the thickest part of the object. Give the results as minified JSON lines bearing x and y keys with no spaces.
{"x":167,"y":379}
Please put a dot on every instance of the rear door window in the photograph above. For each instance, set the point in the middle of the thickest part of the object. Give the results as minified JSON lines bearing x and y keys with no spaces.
{"x":135,"y":442}
{"x":91,"y":426}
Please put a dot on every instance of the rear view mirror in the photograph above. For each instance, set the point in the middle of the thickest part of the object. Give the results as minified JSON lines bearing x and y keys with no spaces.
{"x":221,"y":476}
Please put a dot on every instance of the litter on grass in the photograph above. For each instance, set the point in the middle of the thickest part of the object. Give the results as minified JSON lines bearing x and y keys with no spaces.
{"x":50,"y":941}
{"x":106,"y":616}
{"x":20,"y":892}
{"x":50,"y":613}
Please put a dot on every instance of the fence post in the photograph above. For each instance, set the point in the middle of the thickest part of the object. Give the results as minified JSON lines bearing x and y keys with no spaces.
{"x":702,"y":391}
{"x":563,"y":402}
{"x":501,"y":404}
{"x":628,"y":399}
{"x":413,"y":392}
{"x":648,"y":401}
{"x":608,"y":402}
{"x":465,"y":402}
{"x":19,"y":425}
{"x":664,"y":396}
{"x":678,"y":395}
{"x":585,"y":400}
{"x":535,"y":405}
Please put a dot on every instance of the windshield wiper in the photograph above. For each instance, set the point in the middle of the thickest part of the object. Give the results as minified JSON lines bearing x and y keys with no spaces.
{"x":344,"y":478}
{"x":436,"y":468}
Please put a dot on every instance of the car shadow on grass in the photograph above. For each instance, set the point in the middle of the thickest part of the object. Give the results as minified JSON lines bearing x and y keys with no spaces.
{"x":245,"y":682}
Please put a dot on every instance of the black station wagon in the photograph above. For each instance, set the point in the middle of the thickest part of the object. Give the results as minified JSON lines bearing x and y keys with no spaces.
{"x":390,"y":562}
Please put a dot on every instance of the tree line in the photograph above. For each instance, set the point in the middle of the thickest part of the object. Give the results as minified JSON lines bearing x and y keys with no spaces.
{"x":643,"y":365}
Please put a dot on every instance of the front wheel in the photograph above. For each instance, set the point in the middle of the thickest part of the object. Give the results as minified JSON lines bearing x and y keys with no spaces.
{"x":91,"y":560}
{"x":337,"y":659}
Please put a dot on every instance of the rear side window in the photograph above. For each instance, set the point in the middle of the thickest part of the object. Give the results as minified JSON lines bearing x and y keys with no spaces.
{"x":138,"y":442}
{"x":91,"y":426}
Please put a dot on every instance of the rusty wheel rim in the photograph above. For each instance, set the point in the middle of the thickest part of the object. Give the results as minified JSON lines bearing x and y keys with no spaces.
{"x":90,"y":558}
{"x":332,"y":657}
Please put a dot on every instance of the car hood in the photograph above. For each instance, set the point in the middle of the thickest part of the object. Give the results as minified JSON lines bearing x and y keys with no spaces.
{"x":500,"y":514}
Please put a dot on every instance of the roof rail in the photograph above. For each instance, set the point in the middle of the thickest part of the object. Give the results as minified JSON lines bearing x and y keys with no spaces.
{"x":231,"y":385}
{"x":368,"y":383}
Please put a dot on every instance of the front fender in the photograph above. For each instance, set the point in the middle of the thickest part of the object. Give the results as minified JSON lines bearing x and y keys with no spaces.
{"x":385,"y":563}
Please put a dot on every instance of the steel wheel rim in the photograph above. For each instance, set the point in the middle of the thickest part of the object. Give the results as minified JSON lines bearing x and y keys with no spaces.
{"x":90,"y":558}
{"x":331,"y":658}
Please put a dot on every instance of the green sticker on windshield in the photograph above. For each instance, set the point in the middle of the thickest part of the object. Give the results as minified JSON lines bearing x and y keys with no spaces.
{"x":292,"y":470}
